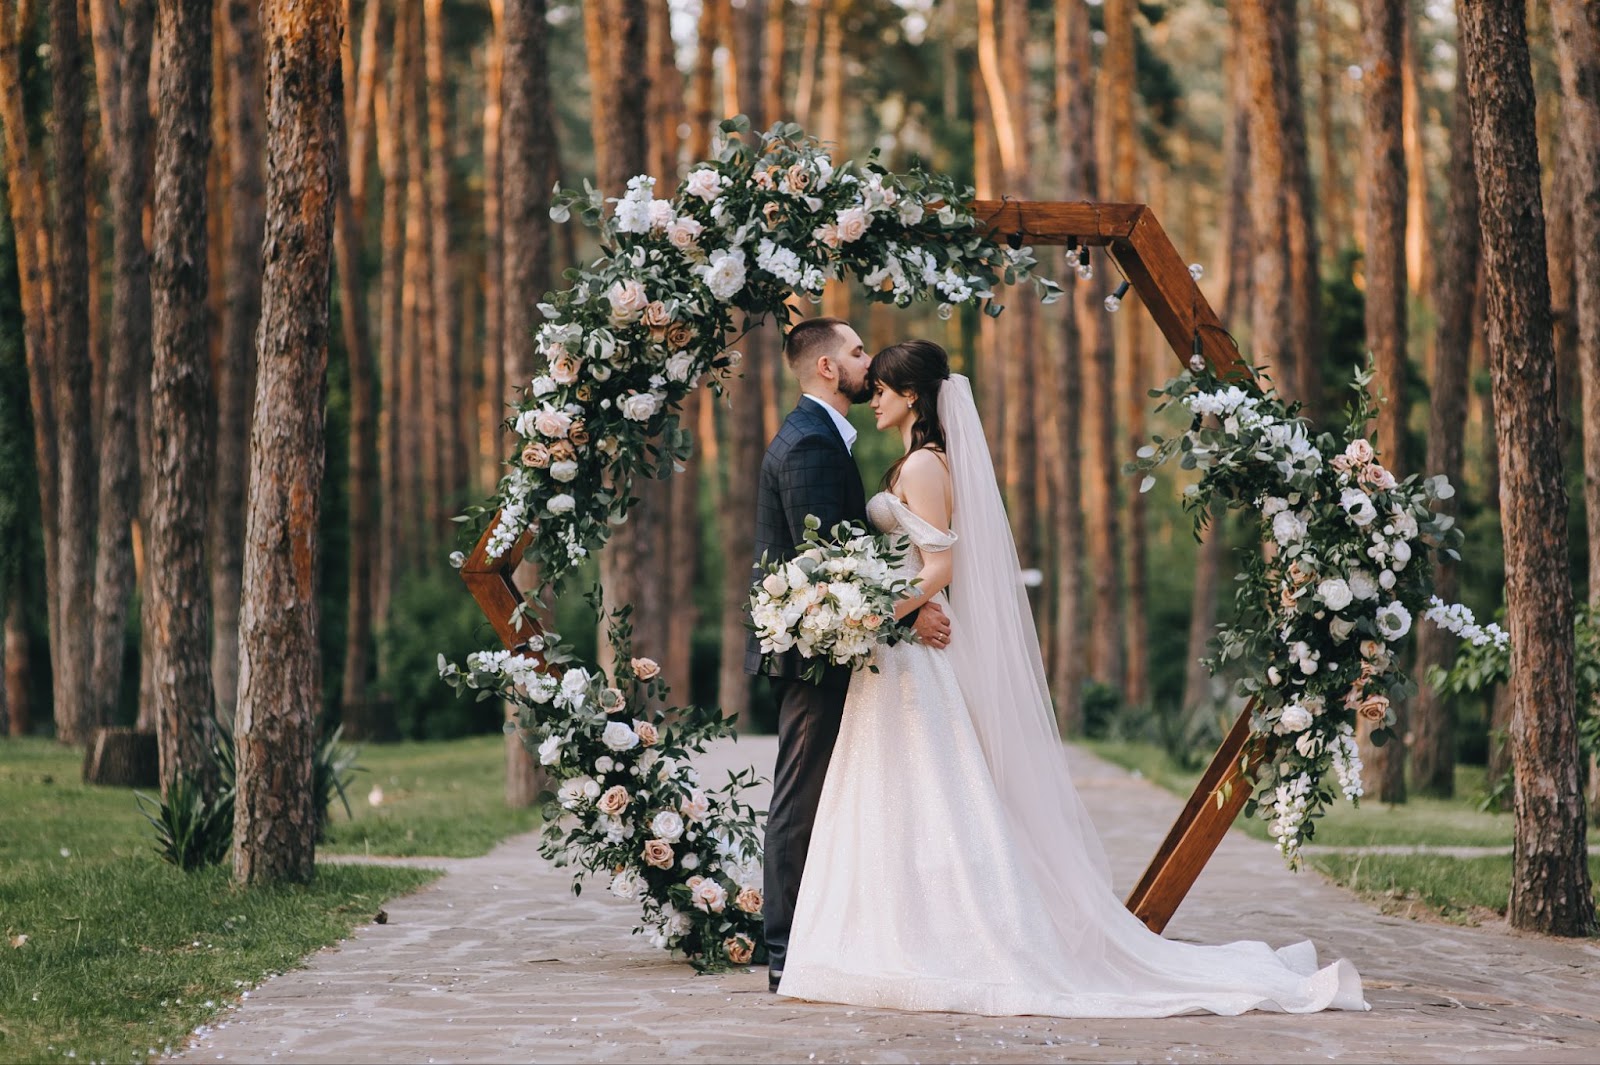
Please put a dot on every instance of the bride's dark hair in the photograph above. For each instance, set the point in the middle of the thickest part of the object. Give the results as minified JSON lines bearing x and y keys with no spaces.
{"x":919,"y":367}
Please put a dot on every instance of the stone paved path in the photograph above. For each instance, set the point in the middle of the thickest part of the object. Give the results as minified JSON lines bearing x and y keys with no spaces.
{"x":497,"y":962}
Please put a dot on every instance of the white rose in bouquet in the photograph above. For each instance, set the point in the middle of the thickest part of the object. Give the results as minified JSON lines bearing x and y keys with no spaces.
{"x":641,"y":406}
{"x":1295,"y":718}
{"x":667,"y":825}
{"x":710,"y":896}
{"x":628,"y":300}
{"x":696,"y":807}
{"x":724,"y":274}
{"x":1335,"y":593}
{"x":550,"y":750}
{"x":1363,"y":586}
{"x":704,"y":183}
{"x":561,"y":504}
{"x":1358,"y":505}
{"x":619,"y":737}
{"x":564,"y":471}
{"x":774,"y":584}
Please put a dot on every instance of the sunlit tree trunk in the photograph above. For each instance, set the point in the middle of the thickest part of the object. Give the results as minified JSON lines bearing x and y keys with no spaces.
{"x":280,"y":675}
{"x":1383,"y":32}
{"x":180,"y":387}
{"x":1335,"y":213}
{"x":1550,"y":889}
{"x":392,"y":169}
{"x":423,"y":438}
{"x":127,"y":125}
{"x":1074,"y":102}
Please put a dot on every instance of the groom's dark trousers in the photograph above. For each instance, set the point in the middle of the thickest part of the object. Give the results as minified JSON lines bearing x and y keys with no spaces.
{"x":807,"y":470}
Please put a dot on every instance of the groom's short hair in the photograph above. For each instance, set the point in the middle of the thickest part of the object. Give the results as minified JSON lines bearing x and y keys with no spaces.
{"x":804,"y":344}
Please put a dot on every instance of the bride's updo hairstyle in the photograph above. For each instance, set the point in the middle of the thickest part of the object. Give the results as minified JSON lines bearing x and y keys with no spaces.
{"x":918,"y":367}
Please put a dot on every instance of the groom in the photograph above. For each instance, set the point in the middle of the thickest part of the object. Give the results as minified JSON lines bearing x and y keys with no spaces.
{"x":808,"y":470}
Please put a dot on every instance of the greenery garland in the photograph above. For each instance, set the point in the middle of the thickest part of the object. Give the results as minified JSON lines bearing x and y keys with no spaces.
{"x":639,"y":328}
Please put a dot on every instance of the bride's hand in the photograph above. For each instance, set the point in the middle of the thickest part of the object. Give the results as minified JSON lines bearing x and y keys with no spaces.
{"x":932,"y":626}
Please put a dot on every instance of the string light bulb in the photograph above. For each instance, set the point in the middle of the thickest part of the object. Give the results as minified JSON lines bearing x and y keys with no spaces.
{"x":1085,"y":270}
{"x":1196,"y":271}
{"x":1114,"y":301}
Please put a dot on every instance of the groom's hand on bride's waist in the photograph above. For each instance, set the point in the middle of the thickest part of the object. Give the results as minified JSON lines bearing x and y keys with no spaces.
{"x":931,"y":625}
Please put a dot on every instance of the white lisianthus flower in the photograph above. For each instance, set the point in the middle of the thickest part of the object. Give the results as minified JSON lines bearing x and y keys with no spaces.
{"x":667,"y":825}
{"x":619,"y":737}
{"x":704,"y":183}
{"x":1394,"y":621}
{"x":550,"y":750}
{"x":724,"y":274}
{"x":641,"y":406}
{"x":564,"y":471}
{"x":1335,"y":593}
{"x":1295,"y":718}
{"x":1362,"y":585}
{"x":1356,"y":503}
{"x":561,"y":504}
{"x":910,"y":211}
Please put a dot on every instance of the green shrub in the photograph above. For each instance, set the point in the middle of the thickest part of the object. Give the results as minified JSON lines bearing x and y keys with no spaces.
{"x":192,"y":830}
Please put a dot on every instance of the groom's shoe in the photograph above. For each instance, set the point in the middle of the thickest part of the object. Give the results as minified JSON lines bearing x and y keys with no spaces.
{"x":774,"y":977}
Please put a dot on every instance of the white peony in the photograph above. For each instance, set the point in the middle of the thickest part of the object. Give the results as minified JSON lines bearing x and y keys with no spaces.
{"x":1358,"y":506}
{"x":564,"y":471}
{"x":667,"y":825}
{"x":550,"y":751}
{"x":1335,"y":593}
{"x":561,"y":504}
{"x":619,"y":737}
{"x":1394,"y":620}
{"x":724,"y":274}
{"x":641,"y":406}
{"x":1287,"y":527}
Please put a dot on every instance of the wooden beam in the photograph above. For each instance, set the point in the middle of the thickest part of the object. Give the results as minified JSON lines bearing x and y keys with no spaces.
{"x":491,"y":583}
{"x":1217,"y":799}
{"x":1146,"y":258}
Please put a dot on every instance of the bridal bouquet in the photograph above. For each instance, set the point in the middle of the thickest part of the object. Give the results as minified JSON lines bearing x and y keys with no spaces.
{"x":834,"y":602}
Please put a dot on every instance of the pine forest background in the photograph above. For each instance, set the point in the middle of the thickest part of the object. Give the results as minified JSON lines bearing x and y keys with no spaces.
{"x":1313,"y":157}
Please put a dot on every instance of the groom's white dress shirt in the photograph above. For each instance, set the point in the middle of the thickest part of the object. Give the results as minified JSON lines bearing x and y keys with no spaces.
{"x":840,"y":422}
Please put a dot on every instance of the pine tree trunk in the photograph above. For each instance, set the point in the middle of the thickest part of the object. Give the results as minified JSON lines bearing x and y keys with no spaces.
{"x":1335,"y":212}
{"x":236,"y":364}
{"x":1432,"y":719}
{"x":526,"y":133}
{"x":1303,"y":248}
{"x":1272,"y":337}
{"x":180,"y":386}
{"x":424,"y":438}
{"x":1074,"y":103}
{"x":492,"y":401}
{"x":1551,"y":890}
{"x":1413,"y":121}
{"x":128,"y":129}
{"x":359,"y":719}
{"x":1383,"y":32}
{"x":772,"y":111}
{"x":74,"y":708}
{"x":445,"y":388}
{"x":279,"y":673}
{"x":1578,"y":53}
{"x":391,"y":167}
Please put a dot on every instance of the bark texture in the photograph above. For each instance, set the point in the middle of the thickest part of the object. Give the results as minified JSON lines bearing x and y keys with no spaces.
{"x":74,"y":469}
{"x":1432,"y":725}
{"x":236,"y":362}
{"x":180,"y":390}
{"x":1272,"y":340}
{"x":1383,"y":33}
{"x":1550,"y":889}
{"x":279,"y":672}
{"x":448,"y":447}
{"x":391,"y":166}
{"x":128,"y":359}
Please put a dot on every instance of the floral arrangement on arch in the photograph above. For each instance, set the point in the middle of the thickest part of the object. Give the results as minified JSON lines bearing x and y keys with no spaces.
{"x":772,"y":216}
{"x":1322,"y":608}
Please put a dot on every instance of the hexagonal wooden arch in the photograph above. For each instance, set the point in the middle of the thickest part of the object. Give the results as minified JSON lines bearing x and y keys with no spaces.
{"x":1154,"y":269}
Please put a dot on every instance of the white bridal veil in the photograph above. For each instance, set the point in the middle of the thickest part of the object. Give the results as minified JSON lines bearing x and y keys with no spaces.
{"x":999,"y":666}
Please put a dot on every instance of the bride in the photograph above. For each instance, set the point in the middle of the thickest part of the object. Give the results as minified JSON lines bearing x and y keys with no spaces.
{"x":952,"y":866}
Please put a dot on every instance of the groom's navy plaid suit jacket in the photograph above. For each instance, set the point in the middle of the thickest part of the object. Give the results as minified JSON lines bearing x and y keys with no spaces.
{"x":807,"y":470}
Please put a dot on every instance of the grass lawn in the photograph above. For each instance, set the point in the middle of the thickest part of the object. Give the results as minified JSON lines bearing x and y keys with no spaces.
{"x":1456,"y":889}
{"x":125,"y":955}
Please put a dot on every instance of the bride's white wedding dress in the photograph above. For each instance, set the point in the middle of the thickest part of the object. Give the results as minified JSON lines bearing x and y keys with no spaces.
{"x":952,"y":866}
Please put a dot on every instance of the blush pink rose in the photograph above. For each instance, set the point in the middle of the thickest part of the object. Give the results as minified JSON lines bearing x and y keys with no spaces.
{"x":749,"y":900}
{"x":658,"y":853}
{"x":645,"y":668}
{"x":553,"y":423}
{"x":614,"y":801}
{"x":648,"y":735}
{"x":741,"y":948}
{"x":564,"y":369}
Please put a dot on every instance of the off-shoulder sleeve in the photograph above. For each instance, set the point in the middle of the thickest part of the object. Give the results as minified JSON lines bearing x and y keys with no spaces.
{"x":921,"y":532}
